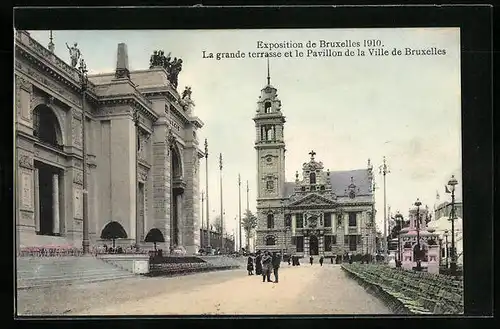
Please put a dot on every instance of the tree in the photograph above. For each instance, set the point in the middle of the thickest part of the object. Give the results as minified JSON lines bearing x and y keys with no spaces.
{"x":248,"y":222}
{"x":112,"y":231}
{"x":217,"y":224}
{"x":155,"y":236}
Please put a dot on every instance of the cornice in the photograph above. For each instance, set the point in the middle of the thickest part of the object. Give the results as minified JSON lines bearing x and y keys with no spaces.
{"x":130,"y":99}
{"x":268,"y":119}
{"x":50,"y":64}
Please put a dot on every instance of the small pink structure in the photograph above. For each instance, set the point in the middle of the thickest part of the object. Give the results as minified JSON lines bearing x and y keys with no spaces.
{"x":429,"y":243}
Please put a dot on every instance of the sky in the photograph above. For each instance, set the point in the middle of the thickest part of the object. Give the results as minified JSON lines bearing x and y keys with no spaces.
{"x":345,"y":108}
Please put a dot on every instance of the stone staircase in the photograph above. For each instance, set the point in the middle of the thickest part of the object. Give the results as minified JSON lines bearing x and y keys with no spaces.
{"x":37,"y":272}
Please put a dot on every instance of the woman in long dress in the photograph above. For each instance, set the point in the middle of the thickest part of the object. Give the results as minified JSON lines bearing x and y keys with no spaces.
{"x":258,"y":263}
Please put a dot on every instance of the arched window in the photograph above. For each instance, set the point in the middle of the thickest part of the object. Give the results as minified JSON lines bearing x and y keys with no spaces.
{"x":270,"y":221}
{"x":270,"y":240}
{"x":45,"y":126}
{"x":312,"y":178}
{"x":267,"y":107}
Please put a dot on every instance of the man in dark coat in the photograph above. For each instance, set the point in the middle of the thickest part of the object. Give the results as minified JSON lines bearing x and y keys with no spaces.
{"x":267,"y":266}
{"x":311,"y":259}
{"x":276,"y":265}
{"x":321,"y":261}
{"x":258,"y":263}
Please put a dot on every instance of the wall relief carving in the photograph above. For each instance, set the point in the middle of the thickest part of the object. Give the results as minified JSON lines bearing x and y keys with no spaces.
{"x":76,"y":131}
{"x":65,"y":92}
{"x":78,"y":177}
{"x":25,"y":161}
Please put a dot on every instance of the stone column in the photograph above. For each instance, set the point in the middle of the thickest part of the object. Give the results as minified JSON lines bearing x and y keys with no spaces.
{"x":294,"y":223}
{"x":358,"y":222}
{"x":180,"y":220}
{"x":55,"y":204}
{"x":346,"y":224}
{"x":321,"y":243}
{"x":37,"y":200}
{"x":306,"y":245}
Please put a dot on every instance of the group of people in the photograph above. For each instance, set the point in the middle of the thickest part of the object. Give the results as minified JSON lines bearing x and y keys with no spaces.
{"x":265,"y":262}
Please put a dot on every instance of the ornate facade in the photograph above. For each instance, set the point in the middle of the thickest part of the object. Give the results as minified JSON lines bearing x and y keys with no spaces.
{"x":142,"y":152}
{"x":322,"y":212}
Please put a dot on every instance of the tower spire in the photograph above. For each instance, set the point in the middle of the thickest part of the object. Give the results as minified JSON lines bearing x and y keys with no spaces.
{"x":51,"y":44}
{"x":268,"y":75}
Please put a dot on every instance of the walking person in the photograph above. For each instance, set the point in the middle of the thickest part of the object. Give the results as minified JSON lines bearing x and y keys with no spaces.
{"x":321,"y":261}
{"x":311,"y":259}
{"x":267,"y":266}
{"x":276,"y":266}
{"x":258,"y":263}
{"x":250,"y":265}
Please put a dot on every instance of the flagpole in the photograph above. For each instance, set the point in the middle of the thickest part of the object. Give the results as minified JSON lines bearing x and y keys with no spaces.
{"x":239,"y":211}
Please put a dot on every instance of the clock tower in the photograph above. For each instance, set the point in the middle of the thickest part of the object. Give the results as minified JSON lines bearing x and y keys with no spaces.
{"x":270,"y":147}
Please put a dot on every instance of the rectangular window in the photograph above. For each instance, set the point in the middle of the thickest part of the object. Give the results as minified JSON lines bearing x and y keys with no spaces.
{"x":346,"y":239}
{"x":353,"y":242}
{"x":299,"y":220}
{"x":352,"y":219}
{"x":328,"y":219}
{"x":328,"y":243}
{"x":270,"y":221}
{"x":334,"y":240}
{"x":300,"y":243}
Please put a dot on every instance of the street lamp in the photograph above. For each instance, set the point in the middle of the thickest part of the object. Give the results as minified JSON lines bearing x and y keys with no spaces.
{"x":399,"y":221}
{"x":453,"y":264}
{"x":418,"y":204}
{"x":440,"y":251}
{"x":446,"y":242}
{"x":136,"y":118}
{"x":84,"y":80}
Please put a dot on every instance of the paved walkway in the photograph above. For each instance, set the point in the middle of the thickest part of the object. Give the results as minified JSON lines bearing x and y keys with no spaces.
{"x":301,"y":290}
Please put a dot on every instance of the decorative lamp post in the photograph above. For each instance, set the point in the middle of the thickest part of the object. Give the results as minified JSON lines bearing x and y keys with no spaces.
{"x":453,"y":264}
{"x":136,"y":118}
{"x":399,"y":221}
{"x":206,"y":198}
{"x":384,"y":170}
{"x":440,"y":251}
{"x":84,"y":80}
{"x":446,"y":242}
{"x":419,"y":265}
{"x":221,"y":206}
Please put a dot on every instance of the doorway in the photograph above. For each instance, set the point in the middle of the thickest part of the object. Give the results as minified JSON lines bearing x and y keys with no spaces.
{"x":46,"y":194}
{"x":313,"y":245}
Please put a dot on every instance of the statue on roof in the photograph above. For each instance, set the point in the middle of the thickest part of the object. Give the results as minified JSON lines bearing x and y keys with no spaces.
{"x":186,"y":94}
{"x":173,"y":71}
{"x":74,"y":54}
{"x":173,"y":67}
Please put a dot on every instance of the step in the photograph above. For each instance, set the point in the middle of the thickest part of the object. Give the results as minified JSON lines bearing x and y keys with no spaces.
{"x":75,"y":278}
{"x":76,"y":275}
{"x":41,"y":284}
{"x":60,"y":274}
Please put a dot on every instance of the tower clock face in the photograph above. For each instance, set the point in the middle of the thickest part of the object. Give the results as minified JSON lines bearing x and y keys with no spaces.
{"x":269,"y":159}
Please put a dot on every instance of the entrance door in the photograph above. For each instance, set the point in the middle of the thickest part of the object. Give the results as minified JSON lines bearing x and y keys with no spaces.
{"x":313,"y":245}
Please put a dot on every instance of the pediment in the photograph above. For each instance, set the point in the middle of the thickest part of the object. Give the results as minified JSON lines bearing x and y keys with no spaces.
{"x":313,"y":199}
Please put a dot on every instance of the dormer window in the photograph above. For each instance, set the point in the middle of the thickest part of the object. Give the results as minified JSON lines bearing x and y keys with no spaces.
{"x":312,"y":178}
{"x":267,"y":107}
{"x":322,"y":187}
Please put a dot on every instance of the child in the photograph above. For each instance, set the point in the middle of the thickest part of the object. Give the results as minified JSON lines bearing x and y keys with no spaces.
{"x":250,"y":266}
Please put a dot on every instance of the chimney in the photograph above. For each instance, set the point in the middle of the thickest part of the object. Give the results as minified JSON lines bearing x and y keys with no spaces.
{"x":122,"y":71}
